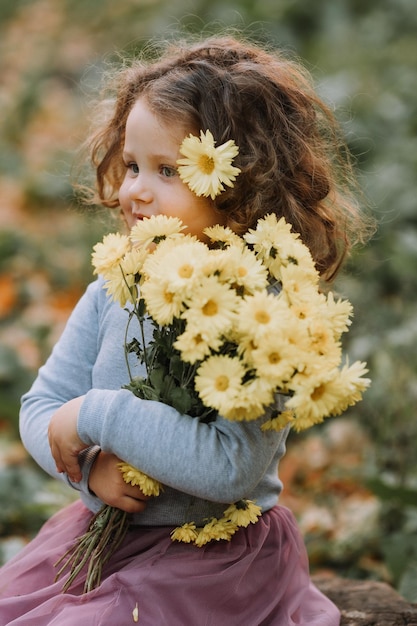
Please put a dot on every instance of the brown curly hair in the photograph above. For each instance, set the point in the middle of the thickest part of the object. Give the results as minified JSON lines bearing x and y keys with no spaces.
{"x":292,"y":155}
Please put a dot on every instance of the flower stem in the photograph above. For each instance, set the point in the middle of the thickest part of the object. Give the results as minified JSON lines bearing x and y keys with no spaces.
{"x":103,"y":536}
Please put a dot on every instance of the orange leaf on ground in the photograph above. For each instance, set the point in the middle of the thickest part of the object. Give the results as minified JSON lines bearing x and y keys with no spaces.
{"x":8,"y":294}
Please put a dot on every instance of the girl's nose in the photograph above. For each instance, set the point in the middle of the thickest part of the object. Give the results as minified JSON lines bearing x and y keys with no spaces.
{"x":140,"y":189}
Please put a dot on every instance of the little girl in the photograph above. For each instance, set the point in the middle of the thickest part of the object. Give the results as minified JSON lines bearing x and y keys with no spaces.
{"x":290,"y":164}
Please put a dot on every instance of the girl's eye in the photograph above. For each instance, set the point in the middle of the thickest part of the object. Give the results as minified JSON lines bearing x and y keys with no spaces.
{"x":133,"y":167}
{"x":168,"y":171}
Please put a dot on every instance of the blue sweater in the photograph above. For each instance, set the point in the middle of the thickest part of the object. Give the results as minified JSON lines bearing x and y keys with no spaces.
{"x":203,"y":467}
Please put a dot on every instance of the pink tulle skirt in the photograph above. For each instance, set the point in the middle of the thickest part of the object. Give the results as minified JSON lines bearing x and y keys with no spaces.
{"x":261,"y":577}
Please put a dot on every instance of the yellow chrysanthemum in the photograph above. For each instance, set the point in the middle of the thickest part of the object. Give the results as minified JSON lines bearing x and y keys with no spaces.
{"x":149,"y":486}
{"x":243,"y":513}
{"x":212,"y":306}
{"x":162,"y":303}
{"x":279,"y":422}
{"x":243,"y":411}
{"x":215,"y":530}
{"x":326,"y":394}
{"x":261,"y":314}
{"x":277,"y":246}
{"x":290,"y":330}
{"x":186,"y":533}
{"x":218,"y":380}
{"x":132,"y":262}
{"x":338,"y":313}
{"x":120,"y":287}
{"x":251,"y":402}
{"x":274,"y":358}
{"x":322,"y":339}
{"x":299,"y":285}
{"x":223,"y":235}
{"x":351,"y":379}
{"x":154,"y":228}
{"x":294,"y":253}
{"x":153,"y":266}
{"x":240,"y":267}
{"x":180,"y":266}
{"x":207,"y":168}
{"x":269,"y":230}
{"x":223,"y":529}
{"x":195,"y":346}
{"x":108,"y":253}
{"x":311,"y":404}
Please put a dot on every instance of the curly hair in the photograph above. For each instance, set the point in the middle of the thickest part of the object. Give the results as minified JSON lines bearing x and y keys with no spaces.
{"x":292,"y":156}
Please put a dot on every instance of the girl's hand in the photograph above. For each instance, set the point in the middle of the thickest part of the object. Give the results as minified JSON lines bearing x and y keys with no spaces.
{"x":64,"y":440}
{"x":106,"y":482}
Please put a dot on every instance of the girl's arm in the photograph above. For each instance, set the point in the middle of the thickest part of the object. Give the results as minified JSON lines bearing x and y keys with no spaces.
{"x":65,"y":376}
{"x":221,"y":461}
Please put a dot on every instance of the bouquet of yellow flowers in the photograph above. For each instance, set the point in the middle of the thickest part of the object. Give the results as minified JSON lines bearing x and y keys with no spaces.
{"x":236,"y":321}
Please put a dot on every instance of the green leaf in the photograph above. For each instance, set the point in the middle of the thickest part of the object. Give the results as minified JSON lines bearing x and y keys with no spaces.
{"x":135,"y":347}
{"x":178,"y":368}
{"x":142,"y":389}
{"x":181,"y":400}
{"x":157,"y":379}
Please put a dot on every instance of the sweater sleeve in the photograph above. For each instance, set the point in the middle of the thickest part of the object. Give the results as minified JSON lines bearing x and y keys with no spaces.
{"x":221,"y":461}
{"x":65,"y":375}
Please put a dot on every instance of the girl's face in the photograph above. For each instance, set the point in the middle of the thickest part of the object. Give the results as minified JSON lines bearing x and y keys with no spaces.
{"x":151,"y":185}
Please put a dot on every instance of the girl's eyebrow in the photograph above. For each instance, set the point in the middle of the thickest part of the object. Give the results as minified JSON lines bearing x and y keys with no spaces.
{"x":157,"y":156}
{"x":126,"y":154}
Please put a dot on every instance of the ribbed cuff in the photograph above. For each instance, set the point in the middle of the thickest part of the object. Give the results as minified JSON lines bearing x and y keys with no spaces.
{"x":86,"y":459}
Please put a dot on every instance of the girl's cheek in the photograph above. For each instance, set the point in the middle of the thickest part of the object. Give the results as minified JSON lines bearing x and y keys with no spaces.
{"x":123,"y":197}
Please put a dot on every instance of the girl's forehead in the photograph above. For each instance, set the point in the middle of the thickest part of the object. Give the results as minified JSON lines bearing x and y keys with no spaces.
{"x":144,"y":113}
{"x":144,"y":123}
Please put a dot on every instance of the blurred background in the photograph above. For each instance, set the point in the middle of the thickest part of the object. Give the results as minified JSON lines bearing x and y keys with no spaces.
{"x":352,"y":482}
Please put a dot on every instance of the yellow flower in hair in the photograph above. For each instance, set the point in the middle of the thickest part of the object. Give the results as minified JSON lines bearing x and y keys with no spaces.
{"x":207,"y":168}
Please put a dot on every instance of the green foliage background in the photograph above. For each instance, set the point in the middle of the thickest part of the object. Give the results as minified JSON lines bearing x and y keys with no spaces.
{"x":363,"y":56}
